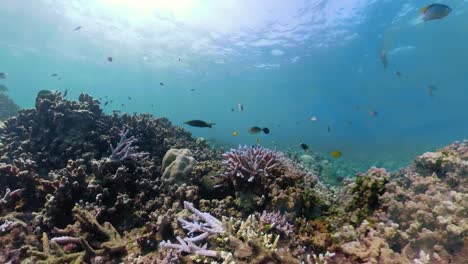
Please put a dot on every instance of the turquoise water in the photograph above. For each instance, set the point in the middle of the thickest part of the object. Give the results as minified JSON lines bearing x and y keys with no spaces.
{"x":285,"y":61}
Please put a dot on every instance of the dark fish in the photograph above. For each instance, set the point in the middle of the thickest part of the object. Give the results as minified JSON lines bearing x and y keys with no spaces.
{"x":105,"y":96}
{"x":192,"y":90}
{"x":435,"y":11}
{"x":111,"y":101}
{"x":431,"y":89}
{"x":232,"y":109}
{"x":110,"y":59}
{"x":77,"y":28}
{"x":152,"y":105}
{"x":256,"y":130}
{"x":122,"y":105}
{"x":328,"y":128}
{"x":129,"y":98}
{"x":199,"y":123}
{"x":3,"y":75}
{"x":304,"y":146}
{"x":65,"y":93}
{"x":373,"y":113}
{"x":240,"y":107}
{"x":54,"y":75}
{"x":100,"y":98}
{"x":179,"y":59}
{"x":398,"y":73}
{"x":106,"y":103}
{"x":3,"y":88}
{"x":161,"y":83}
{"x":383,"y":58}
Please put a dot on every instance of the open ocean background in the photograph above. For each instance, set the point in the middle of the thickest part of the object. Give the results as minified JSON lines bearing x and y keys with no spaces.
{"x":285,"y":61}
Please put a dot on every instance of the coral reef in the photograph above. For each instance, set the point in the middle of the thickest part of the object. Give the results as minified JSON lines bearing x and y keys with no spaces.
{"x":65,"y":197}
{"x":8,"y":107}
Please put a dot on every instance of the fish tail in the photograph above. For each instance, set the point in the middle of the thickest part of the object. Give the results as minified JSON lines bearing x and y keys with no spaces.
{"x":210,"y":125}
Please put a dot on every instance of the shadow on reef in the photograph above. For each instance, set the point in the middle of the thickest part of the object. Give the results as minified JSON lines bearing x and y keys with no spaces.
{"x":80,"y":186}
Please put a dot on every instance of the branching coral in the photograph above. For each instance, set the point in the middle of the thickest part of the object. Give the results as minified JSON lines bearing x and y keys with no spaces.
{"x":210,"y":227}
{"x":250,"y":162}
{"x":124,"y":149}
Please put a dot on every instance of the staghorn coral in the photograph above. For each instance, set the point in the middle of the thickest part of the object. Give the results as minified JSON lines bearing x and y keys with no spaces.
{"x":251,"y":162}
{"x":124,"y":149}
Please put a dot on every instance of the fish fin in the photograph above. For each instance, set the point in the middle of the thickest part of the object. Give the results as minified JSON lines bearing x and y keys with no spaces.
{"x":424,"y":9}
{"x":210,"y":125}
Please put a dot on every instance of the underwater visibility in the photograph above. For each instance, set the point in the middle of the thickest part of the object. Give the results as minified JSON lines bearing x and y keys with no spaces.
{"x":233,"y":131}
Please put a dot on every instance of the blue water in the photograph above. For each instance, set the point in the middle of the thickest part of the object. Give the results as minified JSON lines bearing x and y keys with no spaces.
{"x":285,"y":61}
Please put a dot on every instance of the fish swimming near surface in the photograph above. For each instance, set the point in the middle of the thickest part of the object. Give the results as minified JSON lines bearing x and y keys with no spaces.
{"x":383,"y":58}
{"x":304,"y":146}
{"x":77,"y":28}
{"x":110,"y":59}
{"x":3,"y":75}
{"x":255,"y":130}
{"x":336,"y":154}
{"x":435,"y":12}
{"x":240,"y":107}
{"x":3,"y":88}
{"x":199,"y":123}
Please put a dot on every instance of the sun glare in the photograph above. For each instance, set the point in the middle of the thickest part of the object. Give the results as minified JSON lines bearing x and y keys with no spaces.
{"x":177,"y":8}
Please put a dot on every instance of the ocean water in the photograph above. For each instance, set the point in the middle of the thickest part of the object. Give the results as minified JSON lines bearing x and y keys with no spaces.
{"x":284,"y":61}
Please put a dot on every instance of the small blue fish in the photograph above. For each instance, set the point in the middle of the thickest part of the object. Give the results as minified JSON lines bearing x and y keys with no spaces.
{"x":435,"y":11}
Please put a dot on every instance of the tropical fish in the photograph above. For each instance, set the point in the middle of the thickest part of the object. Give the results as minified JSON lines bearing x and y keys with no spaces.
{"x":3,"y":88}
{"x":235,"y":134}
{"x":240,"y":107}
{"x":435,"y":11}
{"x":110,"y":59}
{"x":313,"y":119}
{"x":199,"y":123}
{"x":304,"y":146}
{"x":65,"y":93}
{"x":129,"y":98}
{"x":106,"y":103}
{"x":257,"y":140}
{"x":336,"y":154}
{"x":383,"y":58}
{"x":431,"y":89}
{"x":161,"y":83}
{"x":3,"y":75}
{"x":256,"y":130}
{"x":77,"y":28}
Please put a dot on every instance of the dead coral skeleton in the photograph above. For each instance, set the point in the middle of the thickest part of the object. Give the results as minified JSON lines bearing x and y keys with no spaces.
{"x":124,"y":149}
{"x":212,"y":226}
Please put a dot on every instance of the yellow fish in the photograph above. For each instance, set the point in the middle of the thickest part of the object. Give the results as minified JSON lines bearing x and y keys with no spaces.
{"x":336,"y":154}
{"x":235,"y":133}
{"x":257,"y":140}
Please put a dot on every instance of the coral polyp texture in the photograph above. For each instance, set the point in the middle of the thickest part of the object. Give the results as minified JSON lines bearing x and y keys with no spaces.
{"x":250,"y":162}
{"x":160,"y":196}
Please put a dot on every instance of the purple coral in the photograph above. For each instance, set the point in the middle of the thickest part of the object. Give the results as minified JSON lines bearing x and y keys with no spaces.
{"x":249,"y":162}
{"x":277,"y":221}
{"x":212,"y":226}
{"x":124,"y":149}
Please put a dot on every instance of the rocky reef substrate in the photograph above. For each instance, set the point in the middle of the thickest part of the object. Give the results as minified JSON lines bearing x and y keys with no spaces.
{"x":80,"y":186}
